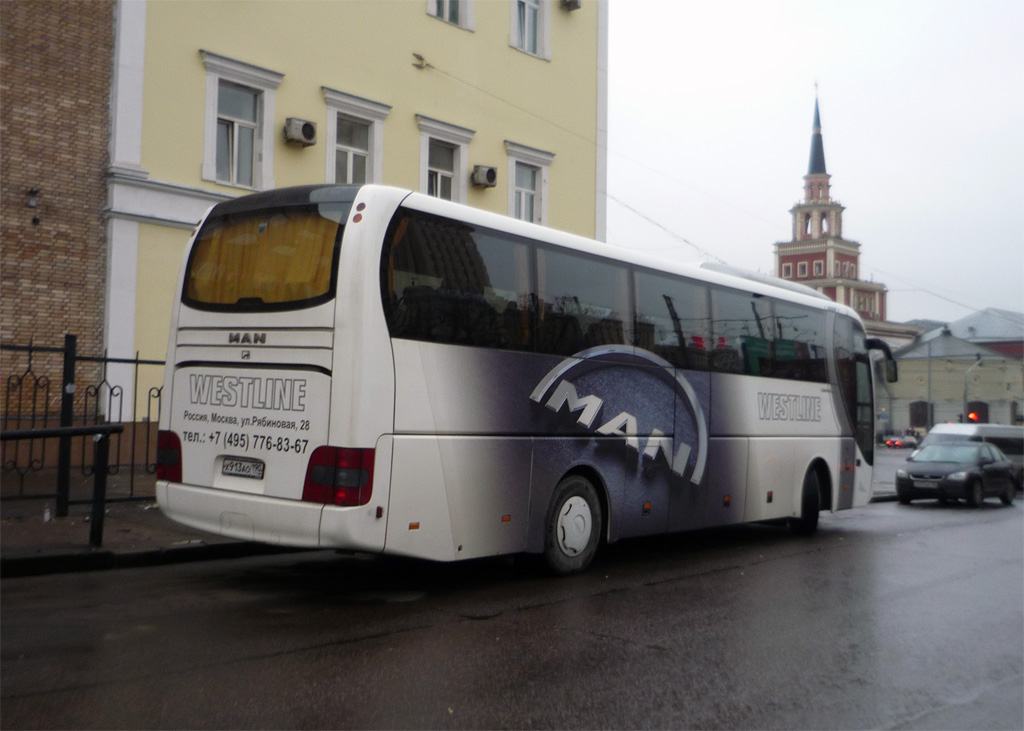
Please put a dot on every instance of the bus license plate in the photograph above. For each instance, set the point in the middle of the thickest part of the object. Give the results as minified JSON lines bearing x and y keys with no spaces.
{"x":243,"y":468}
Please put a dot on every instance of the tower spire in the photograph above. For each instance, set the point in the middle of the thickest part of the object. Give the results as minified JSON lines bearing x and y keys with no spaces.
{"x":817,"y":164}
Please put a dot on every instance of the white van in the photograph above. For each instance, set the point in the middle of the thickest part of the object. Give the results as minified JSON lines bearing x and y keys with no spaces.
{"x":1009,"y":439}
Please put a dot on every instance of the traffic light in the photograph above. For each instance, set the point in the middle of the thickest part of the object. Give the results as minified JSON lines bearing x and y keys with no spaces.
{"x":973,"y":416}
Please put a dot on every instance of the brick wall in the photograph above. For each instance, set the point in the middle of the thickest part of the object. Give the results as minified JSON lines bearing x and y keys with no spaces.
{"x":55,"y":71}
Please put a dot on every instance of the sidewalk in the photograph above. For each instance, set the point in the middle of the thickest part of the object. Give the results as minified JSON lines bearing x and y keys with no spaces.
{"x":134,"y":533}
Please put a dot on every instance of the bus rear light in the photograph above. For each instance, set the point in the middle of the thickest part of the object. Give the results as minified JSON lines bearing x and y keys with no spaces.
{"x":168,"y":456}
{"x":339,"y":476}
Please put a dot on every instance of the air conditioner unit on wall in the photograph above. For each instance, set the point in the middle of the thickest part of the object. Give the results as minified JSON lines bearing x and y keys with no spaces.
{"x":300,"y":130}
{"x":484,"y":176}
{"x":572,"y":4}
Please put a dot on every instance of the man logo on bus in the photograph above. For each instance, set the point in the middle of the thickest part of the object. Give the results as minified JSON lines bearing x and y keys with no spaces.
{"x":557,"y":390}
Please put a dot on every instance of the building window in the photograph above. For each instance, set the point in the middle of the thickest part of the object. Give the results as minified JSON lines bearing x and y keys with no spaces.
{"x":355,"y":134}
{"x":238,"y":147}
{"x":351,"y":151}
{"x":801,"y":269}
{"x":839,"y":269}
{"x":528,"y":182}
{"x":819,"y":268}
{"x":530,"y":24}
{"x":787,"y":271}
{"x":853,"y":271}
{"x":456,"y":12}
{"x":444,"y":152}
{"x":237,"y":112}
{"x":440,"y":169}
{"x":526,"y":203}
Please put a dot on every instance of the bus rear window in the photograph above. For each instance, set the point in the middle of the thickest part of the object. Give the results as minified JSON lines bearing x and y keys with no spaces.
{"x":263,"y":260}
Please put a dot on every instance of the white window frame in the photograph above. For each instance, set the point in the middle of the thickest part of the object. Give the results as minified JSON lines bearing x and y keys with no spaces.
{"x":236,"y":125}
{"x":450,"y":134}
{"x":436,"y":174}
{"x":521,"y":194}
{"x":543,"y":28}
{"x":262,"y":81}
{"x":787,"y":270}
{"x":467,"y":19}
{"x":801,"y":270}
{"x":359,"y":110}
{"x":540,"y":159}
{"x":819,"y":268}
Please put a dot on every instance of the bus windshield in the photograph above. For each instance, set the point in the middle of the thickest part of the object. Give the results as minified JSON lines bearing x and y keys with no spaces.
{"x":271,"y":259}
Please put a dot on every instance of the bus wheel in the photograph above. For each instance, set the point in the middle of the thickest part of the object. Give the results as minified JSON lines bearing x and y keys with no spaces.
{"x":810,"y":505}
{"x":573,"y":527}
{"x":975,"y":494}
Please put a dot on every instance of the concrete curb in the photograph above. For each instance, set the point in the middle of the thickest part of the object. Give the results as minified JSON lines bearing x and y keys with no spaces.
{"x":102,"y":559}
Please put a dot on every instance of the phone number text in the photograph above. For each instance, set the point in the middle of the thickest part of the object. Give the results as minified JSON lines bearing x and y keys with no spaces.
{"x":247,"y":442}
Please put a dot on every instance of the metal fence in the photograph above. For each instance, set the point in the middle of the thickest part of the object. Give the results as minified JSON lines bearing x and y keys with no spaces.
{"x":48,"y":386}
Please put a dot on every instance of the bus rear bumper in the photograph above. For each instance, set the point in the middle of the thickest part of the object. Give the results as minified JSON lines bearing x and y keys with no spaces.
{"x":270,"y":520}
{"x":241,"y":516}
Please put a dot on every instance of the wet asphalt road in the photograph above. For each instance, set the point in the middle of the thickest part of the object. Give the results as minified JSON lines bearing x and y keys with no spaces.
{"x":890,"y":617}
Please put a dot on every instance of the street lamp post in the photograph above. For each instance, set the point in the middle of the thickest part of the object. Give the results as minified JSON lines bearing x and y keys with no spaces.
{"x":966,"y":375}
{"x":928,"y":416}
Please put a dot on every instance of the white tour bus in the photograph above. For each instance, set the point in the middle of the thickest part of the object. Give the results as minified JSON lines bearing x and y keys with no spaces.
{"x":371,"y":369}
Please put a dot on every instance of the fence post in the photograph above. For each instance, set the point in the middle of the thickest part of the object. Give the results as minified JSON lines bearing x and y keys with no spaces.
{"x":67,"y":411}
{"x":101,"y":455}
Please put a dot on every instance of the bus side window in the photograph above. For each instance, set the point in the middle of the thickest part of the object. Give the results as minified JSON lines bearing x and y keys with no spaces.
{"x":672,"y":320}
{"x":742,"y":332}
{"x":800,"y":343}
{"x":583,"y":302}
{"x":445,"y":282}
{"x":511,"y":288}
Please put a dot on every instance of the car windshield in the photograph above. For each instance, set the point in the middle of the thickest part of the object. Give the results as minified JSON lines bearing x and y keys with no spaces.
{"x":947,"y":453}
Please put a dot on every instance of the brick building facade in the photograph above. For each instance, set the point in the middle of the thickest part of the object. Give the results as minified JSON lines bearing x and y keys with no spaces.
{"x":55,"y":75}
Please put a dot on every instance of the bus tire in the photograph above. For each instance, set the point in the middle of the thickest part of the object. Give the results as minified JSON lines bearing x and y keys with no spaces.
{"x":572,"y":530}
{"x":810,"y":505}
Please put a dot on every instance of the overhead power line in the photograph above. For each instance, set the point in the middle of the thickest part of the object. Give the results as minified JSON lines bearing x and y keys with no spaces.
{"x":919,"y":288}
{"x":423,"y":64}
{"x":670,"y":232}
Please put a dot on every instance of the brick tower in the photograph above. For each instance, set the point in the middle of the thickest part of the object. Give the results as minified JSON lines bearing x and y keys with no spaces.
{"x":818,"y":255}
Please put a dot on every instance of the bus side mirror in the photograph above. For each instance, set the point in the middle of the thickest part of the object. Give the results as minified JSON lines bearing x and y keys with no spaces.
{"x":891,"y":375}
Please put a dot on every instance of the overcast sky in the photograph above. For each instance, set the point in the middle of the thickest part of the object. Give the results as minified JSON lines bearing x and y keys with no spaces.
{"x":711,"y":105}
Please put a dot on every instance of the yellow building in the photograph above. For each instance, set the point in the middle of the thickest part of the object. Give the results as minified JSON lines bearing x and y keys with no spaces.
{"x":500,"y":104}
